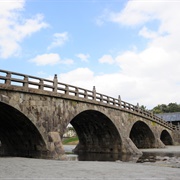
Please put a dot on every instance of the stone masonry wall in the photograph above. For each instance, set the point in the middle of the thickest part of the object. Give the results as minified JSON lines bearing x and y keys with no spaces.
{"x":51,"y":115}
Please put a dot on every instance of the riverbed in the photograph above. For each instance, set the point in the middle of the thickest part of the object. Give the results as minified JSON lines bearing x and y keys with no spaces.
{"x":28,"y":168}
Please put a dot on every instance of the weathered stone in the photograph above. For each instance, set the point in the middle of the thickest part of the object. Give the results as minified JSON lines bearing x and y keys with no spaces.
{"x":42,"y":119}
{"x":55,"y":144}
{"x":4,"y":98}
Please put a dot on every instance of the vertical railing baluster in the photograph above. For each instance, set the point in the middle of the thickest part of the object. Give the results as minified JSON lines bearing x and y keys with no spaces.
{"x":94,"y":93}
{"x":101,"y":98}
{"x":41,"y":84}
{"x":138,"y":109}
{"x":108,"y":101}
{"x":67,"y":90}
{"x":119,"y":101}
{"x":85,"y":94}
{"x":55,"y":83}
{"x":114,"y":102}
{"x":77,"y":92}
{"x":25,"y":84}
{"x":8,"y":80}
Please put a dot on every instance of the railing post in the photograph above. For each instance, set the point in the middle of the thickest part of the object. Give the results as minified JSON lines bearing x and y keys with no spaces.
{"x":67,"y":90}
{"x":108,"y":101}
{"x":152,"y":114}
{"x":8,"y":80}
{"x":94,"y":93}
{"x":101,"y":98}
{"x":77,"y":92}
{"x":41,"y":84}
{"x":119,"y":101}
{"x":85,"y":94}
{"x":25,"y":84}
{"x":55,"y":83}
{"x":138,"y":109}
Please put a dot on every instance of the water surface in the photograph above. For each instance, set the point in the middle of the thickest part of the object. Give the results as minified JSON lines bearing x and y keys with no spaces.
{"x":168,"y":154}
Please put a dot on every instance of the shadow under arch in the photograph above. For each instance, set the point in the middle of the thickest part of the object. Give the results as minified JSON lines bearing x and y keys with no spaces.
{"x":18,"y":135}
{"x":96,"y":133}
{"x":166,"y":138}
{"x":142,"y":136}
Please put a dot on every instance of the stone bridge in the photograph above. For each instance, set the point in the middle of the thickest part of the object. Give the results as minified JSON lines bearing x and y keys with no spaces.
{"x":35,"y":112}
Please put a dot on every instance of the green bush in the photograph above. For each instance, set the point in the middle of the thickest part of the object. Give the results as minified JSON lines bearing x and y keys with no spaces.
{"x":71,"y":140}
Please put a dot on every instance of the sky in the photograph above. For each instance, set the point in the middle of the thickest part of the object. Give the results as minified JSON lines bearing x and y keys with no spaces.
{"x":126,"y":48}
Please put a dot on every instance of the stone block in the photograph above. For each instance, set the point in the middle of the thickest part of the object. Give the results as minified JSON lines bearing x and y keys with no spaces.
{"x":4,"y":98}
{"x":54,"y":136}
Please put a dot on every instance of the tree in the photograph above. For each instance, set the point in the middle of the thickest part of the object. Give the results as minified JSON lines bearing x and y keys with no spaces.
{"x":143,"y":107}
{"x":163,"y":108}
{"x":173,"y":107}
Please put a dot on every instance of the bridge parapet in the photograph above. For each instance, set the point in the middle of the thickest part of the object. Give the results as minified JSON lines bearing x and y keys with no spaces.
{"x":22,"y":82}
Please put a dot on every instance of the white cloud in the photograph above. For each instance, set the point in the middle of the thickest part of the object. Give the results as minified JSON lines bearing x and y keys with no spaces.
{"x":147,"y":33}
{"x":106,"y":59}
{"x":137,"y":12}
{"x":46,"y":59}
{"x":81,"y":76}
{"x":14,"y":27}
{"x":149,"y":76}
{"x":50,"y":59}
{"x":59,"y":40}
{"x":83,"y":57}
{"x":67,"y":61}
{"x":153,"y":72}
{"x":30,"y":26}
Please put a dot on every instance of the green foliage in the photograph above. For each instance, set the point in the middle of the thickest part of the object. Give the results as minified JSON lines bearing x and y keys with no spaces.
{"x":163,"y":108}
{"x":143,"y":107}
{"x":70,"y":128}
{"x":71,"y":140}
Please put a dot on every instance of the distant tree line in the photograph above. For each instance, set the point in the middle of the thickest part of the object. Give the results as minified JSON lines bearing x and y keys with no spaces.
{"x":163,"y":108}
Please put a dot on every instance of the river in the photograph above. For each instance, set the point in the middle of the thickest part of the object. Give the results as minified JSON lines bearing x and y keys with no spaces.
{"x":149,"y":155}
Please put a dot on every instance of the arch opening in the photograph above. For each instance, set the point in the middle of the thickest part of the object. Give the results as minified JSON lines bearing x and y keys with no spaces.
{"x":142,"y":136}
{"x":18,"y":135}
{"x":96,"y":133}
{"x":166,"y":138}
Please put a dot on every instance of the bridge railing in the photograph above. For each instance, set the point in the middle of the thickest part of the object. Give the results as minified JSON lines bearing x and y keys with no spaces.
{"x":26,"y":82}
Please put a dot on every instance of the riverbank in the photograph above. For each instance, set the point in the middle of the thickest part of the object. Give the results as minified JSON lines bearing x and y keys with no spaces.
{"x":168,"y":156}
{"x":24,"y":168}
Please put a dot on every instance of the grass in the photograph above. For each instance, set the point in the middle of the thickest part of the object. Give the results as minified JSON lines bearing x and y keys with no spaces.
{"x":71,"y":141}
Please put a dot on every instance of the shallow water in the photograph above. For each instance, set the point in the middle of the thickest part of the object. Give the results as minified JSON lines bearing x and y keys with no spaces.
{"x":169,"y":154}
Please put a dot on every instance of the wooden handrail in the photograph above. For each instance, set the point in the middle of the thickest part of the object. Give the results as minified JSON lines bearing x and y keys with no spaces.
{"x":8,"y":78}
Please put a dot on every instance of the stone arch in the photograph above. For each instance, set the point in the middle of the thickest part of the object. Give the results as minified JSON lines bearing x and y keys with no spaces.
{"x":166,"y":138}
{"x":141,"y":135}
{"x":18,"y":135}
{"x":96,"y":132}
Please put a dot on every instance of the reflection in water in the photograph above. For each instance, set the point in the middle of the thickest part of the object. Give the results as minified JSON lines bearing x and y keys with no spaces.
{"x":98,"y":156}
{"x":146,"y":157}
{"x":105,"y":157}
{"x":101,"y":157}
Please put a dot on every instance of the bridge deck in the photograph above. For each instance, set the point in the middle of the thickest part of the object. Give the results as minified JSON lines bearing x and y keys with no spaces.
{"x":31,"y":84}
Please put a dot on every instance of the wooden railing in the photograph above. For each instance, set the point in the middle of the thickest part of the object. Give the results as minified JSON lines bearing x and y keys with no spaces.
{"x":13,"y":79}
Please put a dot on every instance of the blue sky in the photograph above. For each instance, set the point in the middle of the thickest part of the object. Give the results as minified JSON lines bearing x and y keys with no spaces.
{"x":127,"y":48}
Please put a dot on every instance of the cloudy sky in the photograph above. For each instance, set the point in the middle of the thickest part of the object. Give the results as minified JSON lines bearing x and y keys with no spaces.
{"x":127,"y":48}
